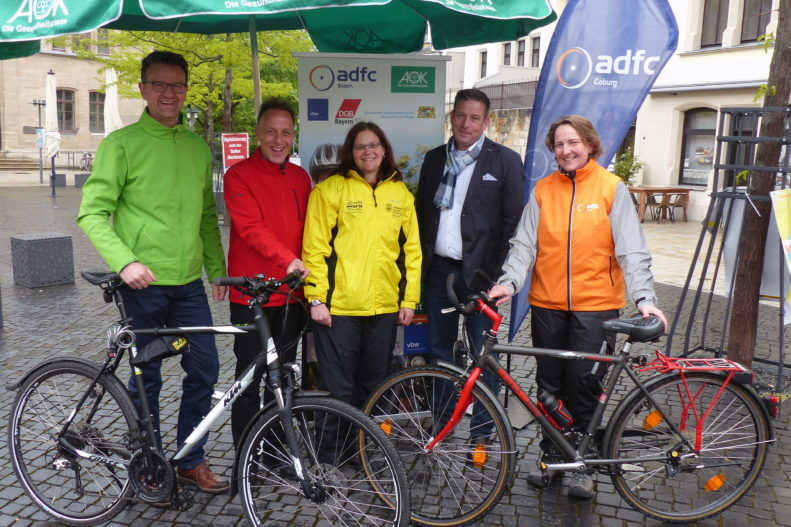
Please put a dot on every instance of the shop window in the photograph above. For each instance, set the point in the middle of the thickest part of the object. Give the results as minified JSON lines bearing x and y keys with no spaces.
{"x":697,"y":152}
{"x":96,"y":112}
{"x":66,"y":110}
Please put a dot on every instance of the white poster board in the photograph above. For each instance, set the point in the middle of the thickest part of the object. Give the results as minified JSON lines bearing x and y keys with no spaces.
{"x":403,"y":94}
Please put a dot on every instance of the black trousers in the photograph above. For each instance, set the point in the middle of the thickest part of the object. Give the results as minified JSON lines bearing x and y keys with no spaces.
{"x":286,"y":326}
{"x":354,"y":354}
{"x":574,"y":331}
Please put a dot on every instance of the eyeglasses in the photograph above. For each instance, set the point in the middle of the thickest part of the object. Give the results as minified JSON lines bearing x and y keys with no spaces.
{"x":161,"y":86}
{"x":369,"y":146}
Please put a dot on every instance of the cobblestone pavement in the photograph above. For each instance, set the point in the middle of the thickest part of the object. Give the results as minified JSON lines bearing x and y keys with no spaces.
{"x":50,"y":322}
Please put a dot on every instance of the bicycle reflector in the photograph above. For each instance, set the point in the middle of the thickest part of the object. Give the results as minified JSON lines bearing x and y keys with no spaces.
{"x":652,"y":419}
{"x":479,"y":455}
{"x":386,"y":426}
{"x":714,"y":483}
{"x":772,"y":404}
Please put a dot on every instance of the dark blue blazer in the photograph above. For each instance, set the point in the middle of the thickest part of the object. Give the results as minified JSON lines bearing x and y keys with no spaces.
{"x":491,"y":210}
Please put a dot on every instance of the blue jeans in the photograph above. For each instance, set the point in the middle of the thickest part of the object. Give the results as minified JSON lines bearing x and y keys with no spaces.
{"x":173,"y":306}
{"x":443,"y":330}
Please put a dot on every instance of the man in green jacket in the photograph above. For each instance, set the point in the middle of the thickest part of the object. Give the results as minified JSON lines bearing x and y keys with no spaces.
{"x":154,"y":178}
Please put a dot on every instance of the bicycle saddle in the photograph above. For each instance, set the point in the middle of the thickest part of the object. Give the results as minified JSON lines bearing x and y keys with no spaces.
{"x":638,"y":328}
{"x":100,"y":277}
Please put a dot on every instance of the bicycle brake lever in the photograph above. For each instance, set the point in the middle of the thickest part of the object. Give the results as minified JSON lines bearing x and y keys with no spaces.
{"x":446,"y":310}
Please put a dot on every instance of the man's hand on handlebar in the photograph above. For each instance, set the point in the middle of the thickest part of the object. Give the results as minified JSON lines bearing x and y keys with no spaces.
{"x":500,"y":294}
{"x":297,"y":265}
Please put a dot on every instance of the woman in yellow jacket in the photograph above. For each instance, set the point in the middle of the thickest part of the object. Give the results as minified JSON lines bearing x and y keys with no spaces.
{"x":362,"y":248}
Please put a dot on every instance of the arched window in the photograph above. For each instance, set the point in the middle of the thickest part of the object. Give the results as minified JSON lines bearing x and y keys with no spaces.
{"x":697,"y":151}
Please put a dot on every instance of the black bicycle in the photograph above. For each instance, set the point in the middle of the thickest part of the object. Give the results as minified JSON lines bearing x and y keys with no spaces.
{"x":681,"y":446}
{"x":82,"y":451}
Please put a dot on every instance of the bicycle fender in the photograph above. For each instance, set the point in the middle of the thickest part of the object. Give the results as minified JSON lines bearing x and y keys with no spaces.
{"x":13,"y":386}
{"x":265,"y":409}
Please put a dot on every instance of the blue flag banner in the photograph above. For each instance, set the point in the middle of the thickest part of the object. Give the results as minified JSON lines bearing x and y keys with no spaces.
{"x":603,"y":58}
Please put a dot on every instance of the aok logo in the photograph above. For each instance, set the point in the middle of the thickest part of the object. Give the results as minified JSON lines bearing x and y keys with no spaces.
{"x":347,"y":111}
{"x":575,"y":66}
{"x":38,"y":10}
{"x":412,"y":79}
{"x":322,"y":77}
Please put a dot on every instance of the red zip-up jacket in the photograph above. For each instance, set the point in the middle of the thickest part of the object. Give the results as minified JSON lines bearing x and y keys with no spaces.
{"x":267,"y":205}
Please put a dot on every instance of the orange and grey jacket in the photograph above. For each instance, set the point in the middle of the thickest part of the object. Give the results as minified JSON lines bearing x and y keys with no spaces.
{"x":582,"y":239}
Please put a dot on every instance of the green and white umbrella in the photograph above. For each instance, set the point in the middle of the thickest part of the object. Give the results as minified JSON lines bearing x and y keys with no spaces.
{"x":340,"y":26}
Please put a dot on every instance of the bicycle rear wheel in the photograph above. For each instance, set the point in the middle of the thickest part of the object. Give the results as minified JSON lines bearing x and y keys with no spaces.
{"x":344,"y":454}
{"x":464,"y":476}
{"x":692,"y":485}
{"x":73,"y":489}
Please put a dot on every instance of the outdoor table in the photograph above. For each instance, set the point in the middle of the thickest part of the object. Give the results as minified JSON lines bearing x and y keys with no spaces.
{"x":643,"y":194}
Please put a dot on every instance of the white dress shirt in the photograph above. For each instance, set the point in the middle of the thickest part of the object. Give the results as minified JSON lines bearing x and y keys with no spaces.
{"x":448,"y":243}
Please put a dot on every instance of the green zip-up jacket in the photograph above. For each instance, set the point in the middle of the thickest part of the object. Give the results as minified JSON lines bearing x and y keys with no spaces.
{"x":156,"y":183}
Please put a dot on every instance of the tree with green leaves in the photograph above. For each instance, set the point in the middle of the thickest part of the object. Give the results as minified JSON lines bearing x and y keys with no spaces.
{"x":221,"y":85}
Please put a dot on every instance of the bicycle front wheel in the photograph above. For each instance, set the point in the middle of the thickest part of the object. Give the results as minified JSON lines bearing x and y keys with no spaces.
{"x":689,"y":484}
{"x":464,"y":475}
{"x":360,"y":478}
{"x":74,"y":489}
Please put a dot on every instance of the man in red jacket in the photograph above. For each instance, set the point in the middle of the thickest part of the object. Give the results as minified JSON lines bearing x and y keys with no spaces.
{"x":266,"y":198}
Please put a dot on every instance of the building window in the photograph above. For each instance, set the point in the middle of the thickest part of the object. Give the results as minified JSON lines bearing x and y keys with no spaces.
{"x":697,"y":153}
{"x":520,"y":53}
{"x":101,"y":38}
{"x":96,"y":111}
{"x":715,"y":18}
{"x":483,"y":63}
{"x":535,"y":47}
{"x":65,"y":110}
{"x":755,"y":19}
{"x":507,"y":54}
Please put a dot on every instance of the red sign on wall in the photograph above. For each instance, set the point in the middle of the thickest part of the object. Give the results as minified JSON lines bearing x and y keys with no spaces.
{"x":234,"y":149}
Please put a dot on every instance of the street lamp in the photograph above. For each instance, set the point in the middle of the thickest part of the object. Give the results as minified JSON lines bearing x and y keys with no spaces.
{"x":192,"y":114}
{"x":38,"y":103}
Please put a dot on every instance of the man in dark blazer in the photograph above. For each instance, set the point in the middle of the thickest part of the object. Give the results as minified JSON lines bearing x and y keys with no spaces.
{"x":469,"y":201}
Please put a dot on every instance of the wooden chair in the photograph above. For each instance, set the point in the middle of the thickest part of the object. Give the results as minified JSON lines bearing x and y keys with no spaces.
{"x":660,"y":208}
{"x":681,"y":202}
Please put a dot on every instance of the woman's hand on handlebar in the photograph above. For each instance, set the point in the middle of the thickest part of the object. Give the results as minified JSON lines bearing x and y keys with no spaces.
{"x":321,"y":315}
{"x":500,"y":294}
{"x":646,"y":311}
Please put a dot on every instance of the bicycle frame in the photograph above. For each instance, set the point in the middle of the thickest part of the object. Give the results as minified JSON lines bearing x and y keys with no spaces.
{"x":619,"y":362}
{"x":269,"y":359}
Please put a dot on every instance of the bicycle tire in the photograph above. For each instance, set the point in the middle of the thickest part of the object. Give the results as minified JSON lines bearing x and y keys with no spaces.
{"x":48,"y":474}
{"x":447,"y":489}
{"x":355,"y":464}
{"x":734,"y":446}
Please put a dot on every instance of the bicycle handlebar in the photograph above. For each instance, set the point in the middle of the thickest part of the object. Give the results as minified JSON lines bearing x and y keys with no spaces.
{"x":259,"y":285}
{"x":237,"y":281}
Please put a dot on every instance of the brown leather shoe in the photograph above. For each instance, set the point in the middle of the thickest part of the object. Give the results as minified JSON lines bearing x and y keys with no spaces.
{"x":204,"y":478}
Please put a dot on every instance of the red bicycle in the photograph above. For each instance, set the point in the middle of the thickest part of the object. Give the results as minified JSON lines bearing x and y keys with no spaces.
{"x":684,"y":444}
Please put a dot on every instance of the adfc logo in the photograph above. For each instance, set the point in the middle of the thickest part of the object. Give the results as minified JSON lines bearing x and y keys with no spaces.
{"x":322,"y":77}
{"x":38,"y":10}
{"x":575,"y":66}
